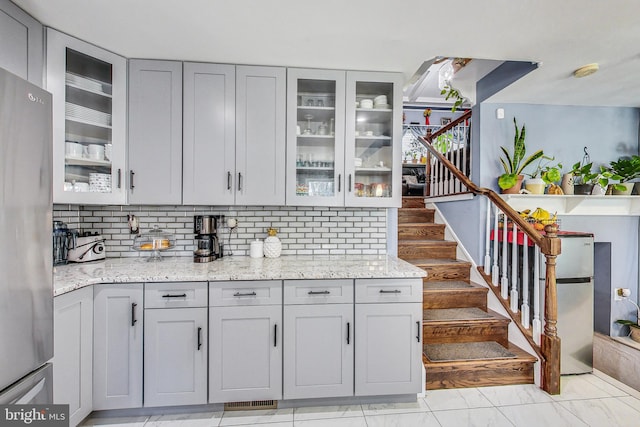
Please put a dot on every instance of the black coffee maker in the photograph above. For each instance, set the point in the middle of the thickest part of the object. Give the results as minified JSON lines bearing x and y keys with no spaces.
{"x":207,"y":247}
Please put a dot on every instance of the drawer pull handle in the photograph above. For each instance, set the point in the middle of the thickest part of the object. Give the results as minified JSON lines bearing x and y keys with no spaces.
{"x":199,"y":338}
{"x":348,"y":332}
{"x":418,"y":336}
{"x":319,"y":292}
{"x":228,"y":180}
{"x":174,"y":296}
{"x":249,"y":294}
{"x":275,"y":335}
{"x":395,"y":291}
{"x":133,"y":314}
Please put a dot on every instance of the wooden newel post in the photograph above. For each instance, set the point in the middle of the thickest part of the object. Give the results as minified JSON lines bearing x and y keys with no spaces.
{"x":550,"y":344}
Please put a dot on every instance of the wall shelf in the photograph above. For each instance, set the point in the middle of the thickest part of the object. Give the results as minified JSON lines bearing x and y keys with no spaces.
{"x":576,"y":205}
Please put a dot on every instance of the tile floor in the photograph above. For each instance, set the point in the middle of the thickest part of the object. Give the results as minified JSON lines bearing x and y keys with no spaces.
{"x":586,"y":400}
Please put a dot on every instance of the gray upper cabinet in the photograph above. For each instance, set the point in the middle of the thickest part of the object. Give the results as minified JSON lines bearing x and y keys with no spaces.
{"x":209,"y":135}
{"x":21,"y":43}
{"x":260,"y":135}
{"x":155,"y":132}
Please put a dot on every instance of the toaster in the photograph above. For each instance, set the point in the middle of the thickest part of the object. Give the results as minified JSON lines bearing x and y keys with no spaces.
{"x":88,"y":247}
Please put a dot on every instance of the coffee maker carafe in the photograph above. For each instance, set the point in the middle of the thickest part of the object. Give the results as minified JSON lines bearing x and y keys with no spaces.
{"x":207,"y":248}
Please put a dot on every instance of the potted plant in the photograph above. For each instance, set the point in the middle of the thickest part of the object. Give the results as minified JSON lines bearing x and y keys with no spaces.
{"x":544,"y":174}
{"x":627,"y":168}
{"x":633,"y":327}
{"x":511,"y":180}
{"x":584,"y":179}
{"x":451,"y":92}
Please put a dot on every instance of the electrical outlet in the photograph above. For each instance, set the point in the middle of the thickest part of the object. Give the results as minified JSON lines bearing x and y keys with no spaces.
{"x":617,"y":294}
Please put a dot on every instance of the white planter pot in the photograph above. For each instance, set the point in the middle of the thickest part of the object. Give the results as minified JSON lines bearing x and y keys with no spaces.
{"x":629,"y":189}
{"x":535,"y":185}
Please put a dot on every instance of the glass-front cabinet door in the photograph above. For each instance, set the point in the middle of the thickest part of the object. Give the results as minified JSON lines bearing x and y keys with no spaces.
{"x":373,"y":139}
{"x":89,"y":121}
{"x":315,"y":137}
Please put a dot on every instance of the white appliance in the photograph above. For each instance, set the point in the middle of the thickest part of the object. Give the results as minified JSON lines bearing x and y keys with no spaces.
{"x":574,"y":280}
{"x":26,"y":253}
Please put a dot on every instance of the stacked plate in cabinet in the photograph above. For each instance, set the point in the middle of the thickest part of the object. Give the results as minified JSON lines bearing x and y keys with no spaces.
{"x":79,"y":112}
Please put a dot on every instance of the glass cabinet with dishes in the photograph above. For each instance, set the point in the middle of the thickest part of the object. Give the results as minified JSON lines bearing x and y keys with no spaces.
{"x":373,"y":139}
{"x":315,"y":137}
{"x":89,"y":121}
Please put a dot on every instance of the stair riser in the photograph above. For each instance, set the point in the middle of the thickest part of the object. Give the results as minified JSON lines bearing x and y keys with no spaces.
{"x":421,"y":232}
{"x":444,"y":334}
{"x":426,"y":251}
{"x":447,"y":272}
{"x":411,"y":202}
{"x":481,"y":374}
{"x":424,"y":216}
{"x":474,"y":297}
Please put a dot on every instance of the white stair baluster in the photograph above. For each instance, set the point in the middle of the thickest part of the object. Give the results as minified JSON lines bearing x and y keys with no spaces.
{"x":536,"y":324}
{"x":524,"y":315}
{"x":495,"y":270}
{"x":514,"y":270}
{"x":432,"y":187}
{"x":487,"y":244}
{"x":504,"y":280}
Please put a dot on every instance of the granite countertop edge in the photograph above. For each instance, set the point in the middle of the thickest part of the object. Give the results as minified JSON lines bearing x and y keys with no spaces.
{"x":67,"y":278}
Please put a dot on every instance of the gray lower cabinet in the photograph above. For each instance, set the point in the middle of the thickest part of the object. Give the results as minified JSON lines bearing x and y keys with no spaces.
{"x":117,"y":346}
{"x":209,"y":135}
{"x":245,"y":327}
{"x":72,"y":349}
{"x":175,"y":344}
{"x":388,"y":316}
{"x":21,"y":43}
{"x":260,"y":136}
{"x":318,"y":338}
{"x":155,"y":132}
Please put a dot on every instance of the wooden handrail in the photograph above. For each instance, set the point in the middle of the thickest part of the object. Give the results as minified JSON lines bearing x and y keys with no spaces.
{"x":549,"y":245}
{"x":497,"y":200}
{"x":449,"y":126}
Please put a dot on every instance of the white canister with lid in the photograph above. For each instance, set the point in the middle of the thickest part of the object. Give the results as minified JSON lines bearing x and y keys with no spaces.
{"x":257,"y":249}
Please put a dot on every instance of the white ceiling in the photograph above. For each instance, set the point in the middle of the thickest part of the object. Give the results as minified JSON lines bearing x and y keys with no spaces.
{"x":379,"y":35}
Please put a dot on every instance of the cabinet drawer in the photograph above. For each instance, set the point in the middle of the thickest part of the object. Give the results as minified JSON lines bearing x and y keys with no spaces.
{"x":318,"y":291}
{"x":237,"y":293}
{"x":388,"y":290}
{"x":175,"y":295}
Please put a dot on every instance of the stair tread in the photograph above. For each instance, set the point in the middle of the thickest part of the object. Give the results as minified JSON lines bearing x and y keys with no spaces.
{"x":473,"y":352}
{"x":436,"y":261}
{"x":464,"y":314}
{"x":423,"y":242}
{"x":452,"y":285}
{"x":421,"y":224}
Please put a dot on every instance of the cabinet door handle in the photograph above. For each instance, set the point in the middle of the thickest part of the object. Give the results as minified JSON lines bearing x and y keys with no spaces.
{"x":133,"y":314}
{"x":275,"y":335}
{"x":348,"y":333}
{"x":395,"y":291}
{"x":239,"y":181}
{"x":199,"y":338}
{"x":174,"y":296}
{"x":119,"y":178}
{"x":131,"y":174}
{"x":418,"y":336}
{"x":339,"y":182}
{"x":248,"y":294}
{"x":349,"y":188}
{"x":319,"y":292}
{"x":228,"y":180}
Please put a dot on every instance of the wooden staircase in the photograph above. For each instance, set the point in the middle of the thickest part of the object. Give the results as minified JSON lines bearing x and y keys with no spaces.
{"x":465,"y":344}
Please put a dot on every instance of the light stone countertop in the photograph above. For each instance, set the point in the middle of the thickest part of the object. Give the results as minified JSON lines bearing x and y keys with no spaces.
{"x":67,"y":278}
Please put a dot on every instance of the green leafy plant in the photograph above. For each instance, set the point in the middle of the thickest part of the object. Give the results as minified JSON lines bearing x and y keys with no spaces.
{"x":455,"y":95}
{"x":626,"y":168}
{"x":583,"y":174}
{"x":549,"y":173}
{"x":516,"y":162}
{"x":443,"y":142}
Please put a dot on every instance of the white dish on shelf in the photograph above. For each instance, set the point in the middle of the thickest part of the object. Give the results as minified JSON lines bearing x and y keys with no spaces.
{"x":382,"y":106}
{"x":366,"y":103}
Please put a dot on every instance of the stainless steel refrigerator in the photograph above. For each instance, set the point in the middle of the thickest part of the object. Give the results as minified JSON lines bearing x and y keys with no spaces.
{"x":574,"y":280}
{"x":26,"y":274}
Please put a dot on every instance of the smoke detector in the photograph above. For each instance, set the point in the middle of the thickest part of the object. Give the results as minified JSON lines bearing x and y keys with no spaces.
{"x":586,"y":70}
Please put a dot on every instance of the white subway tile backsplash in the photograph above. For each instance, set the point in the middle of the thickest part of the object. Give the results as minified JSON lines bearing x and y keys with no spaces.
{"x":303,"y":230}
